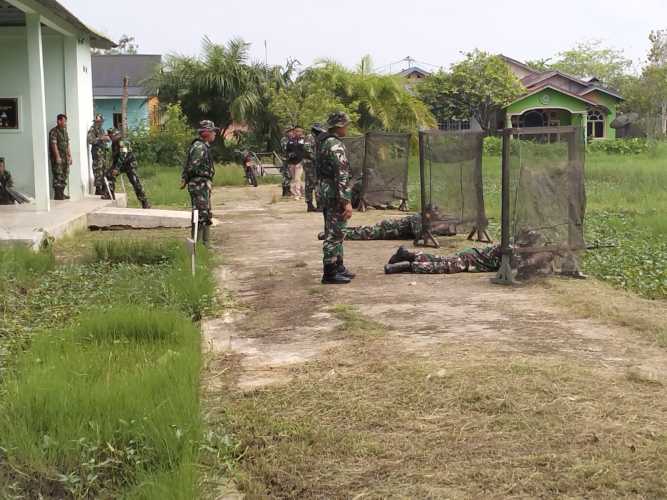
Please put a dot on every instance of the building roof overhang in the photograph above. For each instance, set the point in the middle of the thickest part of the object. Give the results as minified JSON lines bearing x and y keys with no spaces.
{"x":537,"y":90}
{"x":57,"y":16}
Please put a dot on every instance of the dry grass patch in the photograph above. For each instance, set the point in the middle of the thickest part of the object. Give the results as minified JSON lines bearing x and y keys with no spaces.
{"x":601,"y":302}
{"x":363,"y":422}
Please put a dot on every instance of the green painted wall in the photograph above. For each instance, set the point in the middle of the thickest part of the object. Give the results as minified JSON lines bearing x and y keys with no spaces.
{"x":559,"y":100}
{"x":556,"y":100}
{"x":611,"y":103}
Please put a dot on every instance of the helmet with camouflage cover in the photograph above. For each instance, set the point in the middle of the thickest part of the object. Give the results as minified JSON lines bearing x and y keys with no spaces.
{"x":338,"y":119}
{"x":99,"y":118}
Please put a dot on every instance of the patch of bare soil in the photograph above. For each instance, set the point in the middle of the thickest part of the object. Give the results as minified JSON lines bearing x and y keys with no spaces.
{"x":429,"y":386}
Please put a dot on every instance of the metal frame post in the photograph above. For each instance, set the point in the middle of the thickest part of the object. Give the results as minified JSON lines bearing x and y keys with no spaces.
{"x":505,"y":275}
{"x":426,"y":236}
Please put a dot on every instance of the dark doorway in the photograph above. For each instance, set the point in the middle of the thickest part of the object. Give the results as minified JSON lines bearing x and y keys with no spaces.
{"x":533,"y":119}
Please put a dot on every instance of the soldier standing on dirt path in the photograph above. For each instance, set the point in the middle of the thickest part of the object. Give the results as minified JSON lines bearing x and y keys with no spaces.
{"x":197,"y":176}
{"x":335,"y":177}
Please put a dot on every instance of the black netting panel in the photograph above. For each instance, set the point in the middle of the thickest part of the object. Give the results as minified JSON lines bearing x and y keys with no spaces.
{"x":356,"y":150}
{"x":547,"y":192}
{"x":453,"y":189}
{"x":386,"y":169}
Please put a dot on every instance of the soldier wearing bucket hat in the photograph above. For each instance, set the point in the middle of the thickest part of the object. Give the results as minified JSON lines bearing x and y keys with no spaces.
{"x":198,"y":174}
{"x":335,"y":179}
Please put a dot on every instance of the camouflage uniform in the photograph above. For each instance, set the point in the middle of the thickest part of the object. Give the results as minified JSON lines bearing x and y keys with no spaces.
{"x":404,"y":228}
{"x":123,"y":161}
{"x":6,"y":183}
{"x":310,"y":173}
{"x":198,"y":174}
{"x":334,"y":191}
{"x":469,"y":260}
{"x":284,"y":168}
{"x":59,"y":138}
{"x":98,"y":151}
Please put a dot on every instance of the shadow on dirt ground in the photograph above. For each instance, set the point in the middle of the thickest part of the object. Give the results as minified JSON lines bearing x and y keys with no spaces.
{"x":425,"y":386}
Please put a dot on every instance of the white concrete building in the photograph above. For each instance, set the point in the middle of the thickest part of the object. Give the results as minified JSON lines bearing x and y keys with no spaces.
{"x":45,"y":69}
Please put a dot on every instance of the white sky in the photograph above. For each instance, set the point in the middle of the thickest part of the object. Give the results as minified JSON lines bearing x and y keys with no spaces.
{"x":428,"y":30}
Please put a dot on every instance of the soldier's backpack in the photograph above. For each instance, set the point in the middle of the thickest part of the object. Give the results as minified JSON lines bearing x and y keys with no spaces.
{"x":322,"y":170}
{"x":295,"y":150}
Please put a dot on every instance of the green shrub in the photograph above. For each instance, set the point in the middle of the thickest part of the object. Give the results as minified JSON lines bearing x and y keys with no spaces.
{"x":142,"y":252}
{"x":493,"y":146}
{"x":620,"y":146}
{"x":167,"y":144}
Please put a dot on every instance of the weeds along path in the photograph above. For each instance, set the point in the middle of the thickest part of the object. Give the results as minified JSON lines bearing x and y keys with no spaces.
{"x":430,"y":386}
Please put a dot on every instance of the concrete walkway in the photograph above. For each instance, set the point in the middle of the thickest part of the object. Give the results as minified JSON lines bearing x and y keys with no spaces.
{"x":27,"y":225}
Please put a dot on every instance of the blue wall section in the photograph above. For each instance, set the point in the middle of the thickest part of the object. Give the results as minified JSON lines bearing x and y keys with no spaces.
{"x":137,"y":111}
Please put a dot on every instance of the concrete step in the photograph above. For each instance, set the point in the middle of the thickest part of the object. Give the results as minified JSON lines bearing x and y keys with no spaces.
{"x":137,"y":218}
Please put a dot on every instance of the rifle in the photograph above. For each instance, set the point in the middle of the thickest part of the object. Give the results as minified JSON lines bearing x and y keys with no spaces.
{"x":17,"y":197}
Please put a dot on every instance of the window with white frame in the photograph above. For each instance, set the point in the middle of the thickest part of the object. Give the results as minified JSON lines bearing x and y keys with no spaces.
{"x":595,"y":124}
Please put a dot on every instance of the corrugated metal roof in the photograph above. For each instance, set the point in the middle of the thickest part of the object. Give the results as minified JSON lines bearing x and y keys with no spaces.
{"x":109,"y":71}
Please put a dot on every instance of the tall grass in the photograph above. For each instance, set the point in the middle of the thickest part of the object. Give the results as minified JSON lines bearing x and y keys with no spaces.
{"x":108,"y":406}
{"x":20,"y":262}
{"x":144,"y":252}
{"x":103,"y":400}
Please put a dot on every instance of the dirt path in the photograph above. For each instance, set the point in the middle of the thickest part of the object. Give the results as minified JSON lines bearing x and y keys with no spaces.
{"x":286,"y":327}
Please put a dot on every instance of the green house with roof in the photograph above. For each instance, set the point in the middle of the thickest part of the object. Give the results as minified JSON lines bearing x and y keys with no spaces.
{"x":553,"y":98}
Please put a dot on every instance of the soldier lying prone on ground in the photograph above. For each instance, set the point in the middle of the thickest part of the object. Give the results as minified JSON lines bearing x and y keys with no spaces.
{"x":405,"y":228}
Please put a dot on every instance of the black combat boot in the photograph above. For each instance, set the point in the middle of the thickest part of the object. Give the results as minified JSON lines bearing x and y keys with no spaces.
{"x":205,"y":234}
{"x":400,"y":267}
{"x":145,"y":204}
{"x":286,"y":192}
{"x":402,"y":255}
{"x":331,"y":276}
{"x":342,"y":270}
{"x":58,"y":194}
{"x":321,"y":236}
{"x":311,"y":207}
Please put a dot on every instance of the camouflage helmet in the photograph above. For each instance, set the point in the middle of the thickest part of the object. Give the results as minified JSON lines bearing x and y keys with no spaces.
{"x":338,"y":119}
{"x":99,"y":118}
{"x":2,"y":160}
{"x":207,"y":126}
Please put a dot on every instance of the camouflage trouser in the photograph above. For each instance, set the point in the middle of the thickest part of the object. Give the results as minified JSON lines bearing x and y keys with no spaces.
{"x":99,"y":167}
{"x":432,"y":264}
{"x":287,"y":178}
{"x":200,"y":195}
{"x":132,"y":176}
{"x":311,"y":183}
{"x":334,"y":229}
{"x":384,"y":230}
{"x":60,"y":173}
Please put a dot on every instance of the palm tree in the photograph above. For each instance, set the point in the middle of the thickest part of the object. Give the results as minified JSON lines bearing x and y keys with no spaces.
{"x":220,"y":85}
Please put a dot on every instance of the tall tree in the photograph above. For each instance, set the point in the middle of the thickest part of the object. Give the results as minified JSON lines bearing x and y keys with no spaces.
{"x":219,"y":85}
{"x":593,"y":59}
{"x":374,"y":102}
{"x":477,"y":87}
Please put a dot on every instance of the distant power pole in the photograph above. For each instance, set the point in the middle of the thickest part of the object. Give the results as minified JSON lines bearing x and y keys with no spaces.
{"x":123,"y":105}
{"x":266,"y":53}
